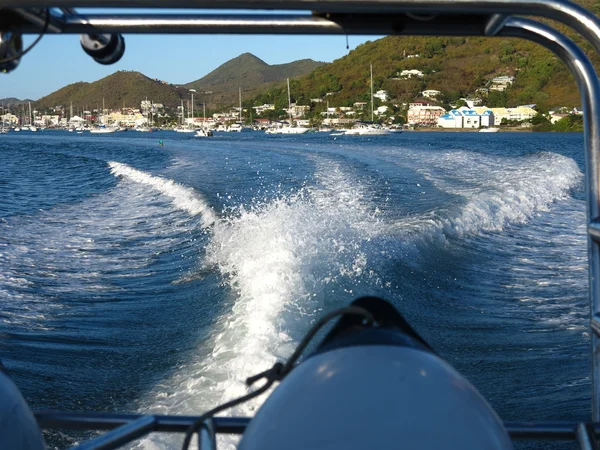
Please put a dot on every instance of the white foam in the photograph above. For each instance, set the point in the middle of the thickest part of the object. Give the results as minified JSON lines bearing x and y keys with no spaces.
{"x":83,"y":247}
{"x":497,"y":191}
{"x":184,"y":198}
{"x":279,"y":258}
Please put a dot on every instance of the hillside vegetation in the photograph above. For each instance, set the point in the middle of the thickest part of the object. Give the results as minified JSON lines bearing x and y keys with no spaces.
{"x":123,"y":88}
{"x":248,"y":73}
{"x":128,"y":88}
{"x":456,"y":66}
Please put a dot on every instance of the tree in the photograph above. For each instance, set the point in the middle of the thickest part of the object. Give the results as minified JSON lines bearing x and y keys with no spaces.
{"x":572,"y":122}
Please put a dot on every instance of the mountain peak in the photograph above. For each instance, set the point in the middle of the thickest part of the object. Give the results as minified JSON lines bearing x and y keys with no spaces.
{"x":248,"y":58}
{"x":248,"y":72}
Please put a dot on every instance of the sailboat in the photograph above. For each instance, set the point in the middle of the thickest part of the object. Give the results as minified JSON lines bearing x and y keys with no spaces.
{"x":368,"y":129}
{"x":204,"y":131}
{"x":146,"y":129}
{"x":3,"y":128}
{"x":290,"y":129}
{"x":103,"y":129}
{"x":182,"y":128}
{"x":32,"y":127}
{"x":239,"y":125}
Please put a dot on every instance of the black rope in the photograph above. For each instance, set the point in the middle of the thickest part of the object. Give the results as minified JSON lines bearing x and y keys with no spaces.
{"x":278,"y":371}
{"x":42,"y":33}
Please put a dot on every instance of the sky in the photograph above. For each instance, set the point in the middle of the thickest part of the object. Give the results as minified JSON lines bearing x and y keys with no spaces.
{"x":59,"y":60}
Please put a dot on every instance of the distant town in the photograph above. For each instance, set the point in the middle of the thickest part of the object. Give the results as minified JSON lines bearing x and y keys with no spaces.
{"x":425,"y":113}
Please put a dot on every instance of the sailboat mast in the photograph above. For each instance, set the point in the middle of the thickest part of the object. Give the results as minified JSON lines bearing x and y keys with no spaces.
{"x":289,"y":101}
{"x":240,"y":104}
{"x":371,"y":92}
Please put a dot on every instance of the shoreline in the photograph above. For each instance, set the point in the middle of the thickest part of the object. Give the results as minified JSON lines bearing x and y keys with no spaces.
{"x":471,"y":130}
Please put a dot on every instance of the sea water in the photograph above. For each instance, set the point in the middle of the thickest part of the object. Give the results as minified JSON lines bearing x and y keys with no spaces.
{"x":155,"y":278}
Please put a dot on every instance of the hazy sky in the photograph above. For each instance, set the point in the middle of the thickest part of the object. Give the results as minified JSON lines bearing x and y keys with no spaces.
{"x":59,"y":60}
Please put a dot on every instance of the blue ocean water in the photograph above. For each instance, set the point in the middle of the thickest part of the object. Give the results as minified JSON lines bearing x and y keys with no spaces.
{"x":143,"y":277}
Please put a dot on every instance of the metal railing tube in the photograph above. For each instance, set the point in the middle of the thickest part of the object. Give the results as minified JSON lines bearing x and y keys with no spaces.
{"x":589,"y":87}
{"x":120,"y":436}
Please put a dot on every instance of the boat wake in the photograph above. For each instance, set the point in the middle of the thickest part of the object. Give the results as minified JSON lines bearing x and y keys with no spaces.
{"x":491,"y":192}
{"x":282,"y":258}
{"x":183,"y":198}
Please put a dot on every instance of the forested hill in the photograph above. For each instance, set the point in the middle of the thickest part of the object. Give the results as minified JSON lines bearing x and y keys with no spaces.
{"x":456,"y":66}
{"x":248,"y":73}
{"x":122,"y":88}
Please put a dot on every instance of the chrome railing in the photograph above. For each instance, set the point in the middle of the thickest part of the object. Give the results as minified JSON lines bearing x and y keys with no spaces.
{"x":381,"y":17}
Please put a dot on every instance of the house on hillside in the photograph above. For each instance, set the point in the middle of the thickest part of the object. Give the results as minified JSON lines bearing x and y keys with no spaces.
{"x":381,"y":95}
{"x":501,"y":83}
{"x":262,"y":108}
{"x":557,"y":116}
{"x":430,"y":93}
{"x":359,"y":106}
{"x":472,"y":102}
{"x":297,"y":111}
{"x":577,"y":110}
{"x":411,"y":73}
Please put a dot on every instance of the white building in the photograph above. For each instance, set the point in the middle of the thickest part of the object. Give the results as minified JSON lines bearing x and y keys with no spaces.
{"x":48,"y":120}
{"x":431,"y":93}
{"x":470,"y":118}
{"x":297,"y":110}
{"x":425,"y":115}
{"x":381,"y":95}
{"x":452,"y":119}
{"x":501,"y":83}
{"x":411,"y":73}
{"x":557,"y":116}
{"x":262,"y":108}
{"x":9,"y":118}
{"x":466,"y":118}
{"x":381,"y":110}
{"x":487,"y":116}
{"x":76,"y":121}
{"x":522,"y":113}
{"x":472,"y":102}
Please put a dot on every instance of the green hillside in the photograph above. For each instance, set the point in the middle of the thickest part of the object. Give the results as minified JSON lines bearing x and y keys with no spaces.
{"x":456,"y":66}
{"x":249,"y":73}
{"x":128,"y":88}
{"x":121,"y":88}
